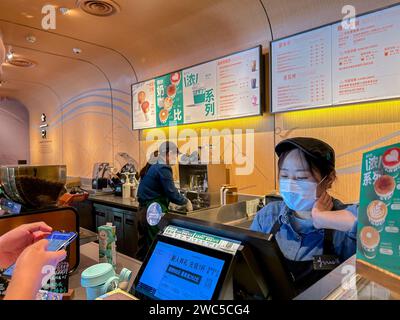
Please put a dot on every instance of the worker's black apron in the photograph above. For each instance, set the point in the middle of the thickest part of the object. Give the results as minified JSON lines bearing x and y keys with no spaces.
{"x":146,"y":232}
{"x":306,"y":273}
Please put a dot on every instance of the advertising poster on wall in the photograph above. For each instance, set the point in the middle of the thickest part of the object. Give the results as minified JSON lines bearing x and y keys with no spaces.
{"x":143,"y":105}
{"x":225,"y":88}
{"x":199,"y":93}
{"x":169,"y":100}
{"x":379,"y":213}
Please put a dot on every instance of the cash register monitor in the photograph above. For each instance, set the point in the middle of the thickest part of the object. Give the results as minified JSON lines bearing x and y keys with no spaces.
{"x":178,"y":270}
{"x":268,"y":264}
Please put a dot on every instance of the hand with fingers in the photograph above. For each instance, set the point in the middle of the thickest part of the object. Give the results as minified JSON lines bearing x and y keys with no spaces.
{"x":30,"y":270}
{"x":323,"y":204}
{"x":14,"y":242}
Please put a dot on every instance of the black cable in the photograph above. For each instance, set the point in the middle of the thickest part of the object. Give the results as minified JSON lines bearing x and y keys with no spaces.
{"x":268,"y":19}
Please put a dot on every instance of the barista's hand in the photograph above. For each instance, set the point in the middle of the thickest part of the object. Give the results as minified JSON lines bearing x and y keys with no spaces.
{"x":323,"y":204}
{"x":324,"y":218}
{"x":29,"y":270}
{"x":189,"y":206}
{"x":15,"y":241}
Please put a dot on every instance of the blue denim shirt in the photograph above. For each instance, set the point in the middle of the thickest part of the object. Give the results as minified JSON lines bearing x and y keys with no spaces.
{"x":303,"y":246}
{"x":159,"y":183}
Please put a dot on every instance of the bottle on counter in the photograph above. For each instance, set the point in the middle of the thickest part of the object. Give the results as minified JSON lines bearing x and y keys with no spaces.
{"x":126,"y":187}
{"x":134,"y":186}
{"x":260,"y":205}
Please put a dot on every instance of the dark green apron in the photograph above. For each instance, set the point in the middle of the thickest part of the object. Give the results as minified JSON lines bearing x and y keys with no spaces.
{"x":146,"y":232}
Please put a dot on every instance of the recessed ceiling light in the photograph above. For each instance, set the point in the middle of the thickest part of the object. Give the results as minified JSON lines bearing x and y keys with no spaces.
{"x":77,"y":50}
{"x":64,"y":11}
{"x":31,"y":39}
{"x":27,"y":15}
{"x":10,"y":55}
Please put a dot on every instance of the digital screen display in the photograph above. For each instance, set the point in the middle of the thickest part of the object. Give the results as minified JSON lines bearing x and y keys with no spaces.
{"x":57,"y":240}
{"x":341,"y":63}
{"x":174,"y":273}
{"x":11,"y":206}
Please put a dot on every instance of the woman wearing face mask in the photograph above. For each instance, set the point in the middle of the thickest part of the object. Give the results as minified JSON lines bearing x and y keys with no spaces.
{"x":314,"y":231}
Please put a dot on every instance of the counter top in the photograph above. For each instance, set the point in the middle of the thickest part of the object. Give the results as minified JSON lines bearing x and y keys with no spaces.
{"x":113,"y":200}
{"x":343,"y":283}
{"x":130,"y":204}
{"x":89,"y":257}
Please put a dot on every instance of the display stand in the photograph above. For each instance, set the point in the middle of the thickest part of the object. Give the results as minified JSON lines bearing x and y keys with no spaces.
{"x":378,"y":242}
{"x":378,"y":275}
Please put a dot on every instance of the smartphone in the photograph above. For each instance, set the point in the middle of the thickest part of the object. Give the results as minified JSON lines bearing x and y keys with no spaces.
{"x":57,"y":240}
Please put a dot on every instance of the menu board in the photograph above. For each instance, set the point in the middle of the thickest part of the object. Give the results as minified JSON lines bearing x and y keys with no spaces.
{"x":366,"y":61}
{"x":335,"y":65}
{"x":378,"y":237}
{"x":229,"y":87}
{"x":301,"y":71}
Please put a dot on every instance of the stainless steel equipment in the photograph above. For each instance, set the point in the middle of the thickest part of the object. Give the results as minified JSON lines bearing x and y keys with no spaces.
{"x":35,"y":187}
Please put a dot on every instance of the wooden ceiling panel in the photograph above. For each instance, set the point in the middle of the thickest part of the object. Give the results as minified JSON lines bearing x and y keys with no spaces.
{"x":292,"y":16}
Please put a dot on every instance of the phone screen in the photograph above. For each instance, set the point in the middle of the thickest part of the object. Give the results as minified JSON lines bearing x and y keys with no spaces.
{"x":57,"y":241}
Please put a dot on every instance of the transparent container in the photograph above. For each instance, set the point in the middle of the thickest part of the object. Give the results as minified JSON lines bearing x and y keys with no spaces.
{"x":35,"y":187}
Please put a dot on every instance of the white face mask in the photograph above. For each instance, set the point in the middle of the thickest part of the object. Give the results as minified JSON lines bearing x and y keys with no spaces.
{"x":299,"y":195}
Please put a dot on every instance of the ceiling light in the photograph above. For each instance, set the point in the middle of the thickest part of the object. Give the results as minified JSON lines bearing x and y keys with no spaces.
{"x":2,"y":83}
{"x":64,"y":11}
{"x":76,"y":50}
{"x":27,"y":15}
{"x":10,"y":55}
{"x":31,"y":39}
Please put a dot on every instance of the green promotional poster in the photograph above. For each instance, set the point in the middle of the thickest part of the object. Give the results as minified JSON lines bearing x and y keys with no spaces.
{"x":379,"y":213}
{"x":169,"y":100}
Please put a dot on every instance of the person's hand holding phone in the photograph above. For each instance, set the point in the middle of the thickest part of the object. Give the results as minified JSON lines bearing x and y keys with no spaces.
{"x":14,"y":242}
{"x":29,"y":270}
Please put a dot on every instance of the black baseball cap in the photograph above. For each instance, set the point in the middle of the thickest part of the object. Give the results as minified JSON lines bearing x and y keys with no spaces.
{"x":168,"y":146}
{"x":316,"y":149}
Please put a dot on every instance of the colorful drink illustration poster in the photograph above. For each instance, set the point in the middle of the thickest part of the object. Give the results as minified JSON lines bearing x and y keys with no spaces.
{"x":143,"y":105}
{"x":199,"y":93}
{"x":169,"y":100}
{"x":378,"y":236}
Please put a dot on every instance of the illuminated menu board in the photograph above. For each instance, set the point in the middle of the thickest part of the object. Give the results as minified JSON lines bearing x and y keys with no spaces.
{"x":366,"y":61}
{"x":229,"y":87}
{"x":301,"y":71}
{"x":335,"y":65}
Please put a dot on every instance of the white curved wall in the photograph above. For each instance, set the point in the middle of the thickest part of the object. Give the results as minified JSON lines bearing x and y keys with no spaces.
{"x":14,"y":132}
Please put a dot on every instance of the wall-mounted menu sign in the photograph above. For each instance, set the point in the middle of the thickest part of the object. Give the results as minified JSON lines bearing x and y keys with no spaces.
{"x":221,"y":89}
{"x":333,"y":65}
